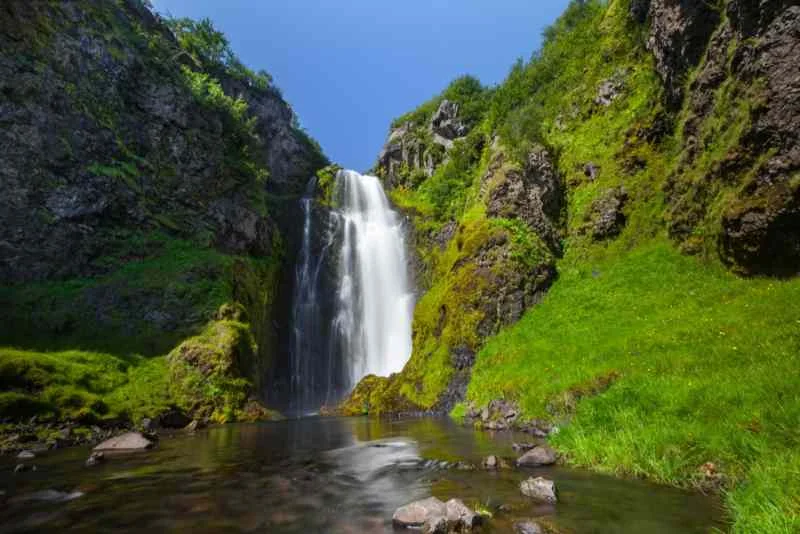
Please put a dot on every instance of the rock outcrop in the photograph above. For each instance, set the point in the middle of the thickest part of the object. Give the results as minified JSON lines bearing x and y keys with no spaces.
{"x":746,"y":86}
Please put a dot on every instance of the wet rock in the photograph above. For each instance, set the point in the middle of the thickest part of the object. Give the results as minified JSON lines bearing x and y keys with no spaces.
{"x":460,"y":518}
{"x":638,"y":10}
{"x":527,"y":527}
{"x":491,"y":462}
{"x":95,"y":458}
{"x":26,"y":455}
{"x":465,"y":466}
{"x":130,"y":441}
{"x":538,"y":456}
{"x":418,"y":514}
{"x":540,"y":489}
{"x":522,"y":447}
{"x":195,"y":426}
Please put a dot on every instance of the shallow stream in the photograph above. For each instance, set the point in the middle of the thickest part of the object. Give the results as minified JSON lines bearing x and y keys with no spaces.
{"x":323,"y":475}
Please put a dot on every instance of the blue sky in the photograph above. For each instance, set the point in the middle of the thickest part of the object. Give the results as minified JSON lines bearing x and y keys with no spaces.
{"x":348,"y":67}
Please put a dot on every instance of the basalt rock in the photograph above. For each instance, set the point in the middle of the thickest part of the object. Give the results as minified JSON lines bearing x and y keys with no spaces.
{"x":606,"y":218}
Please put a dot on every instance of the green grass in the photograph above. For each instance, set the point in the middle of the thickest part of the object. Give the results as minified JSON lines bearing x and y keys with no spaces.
{"x":81,"y":386}
{"x":705,"y":366}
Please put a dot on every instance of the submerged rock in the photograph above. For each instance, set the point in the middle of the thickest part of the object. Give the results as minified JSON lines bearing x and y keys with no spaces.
{"x":540,"y":489}
{"x":130,"y":441}
{"x":538,"y":456}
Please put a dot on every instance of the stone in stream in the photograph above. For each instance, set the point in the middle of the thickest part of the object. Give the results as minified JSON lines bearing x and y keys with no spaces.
{"x":537,"y":456}
{"x":435,"y":517}
{"x":21,"y":468}
{"x":521,"y":447}
{"x":419,"y":513}
{"x":460,"y":518}
{"x":26,"y":455}
{"x":490,"y":462}
{"x":540,"y":489}
{"x":130,"y":441}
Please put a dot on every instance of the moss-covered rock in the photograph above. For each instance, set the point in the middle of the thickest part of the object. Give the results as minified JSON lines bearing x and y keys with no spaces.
{"x":208,"y":373}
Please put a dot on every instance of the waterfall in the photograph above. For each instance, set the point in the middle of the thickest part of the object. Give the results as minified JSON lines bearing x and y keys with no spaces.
{"x":352,"y":302}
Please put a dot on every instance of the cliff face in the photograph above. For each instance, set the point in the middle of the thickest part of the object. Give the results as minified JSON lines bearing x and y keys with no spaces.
{"x":137,"y":180}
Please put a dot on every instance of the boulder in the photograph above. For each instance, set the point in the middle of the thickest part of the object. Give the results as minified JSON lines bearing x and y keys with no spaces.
{"x":421,"y":514}
{"x":540,"y":489}
{"x":26,"y":455}
{"x":606,"y":218}
{"x":130,"y":441}
{"x":538,"y":456}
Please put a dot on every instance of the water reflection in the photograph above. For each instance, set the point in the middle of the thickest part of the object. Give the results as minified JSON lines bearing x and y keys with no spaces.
{"x":321,"y":475}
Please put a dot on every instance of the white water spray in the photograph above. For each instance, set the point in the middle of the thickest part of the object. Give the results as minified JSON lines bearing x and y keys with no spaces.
{"x":375,"y":300}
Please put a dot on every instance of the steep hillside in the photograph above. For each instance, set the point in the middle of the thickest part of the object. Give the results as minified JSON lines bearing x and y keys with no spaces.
{"x":142,"y":174}
{"x":624,"y":209}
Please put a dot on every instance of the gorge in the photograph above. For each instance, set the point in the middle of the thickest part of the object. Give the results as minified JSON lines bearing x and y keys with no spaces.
{"x":594,"y":261}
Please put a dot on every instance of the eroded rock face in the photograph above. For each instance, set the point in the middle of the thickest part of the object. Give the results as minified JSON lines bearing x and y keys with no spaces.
{"x":679,"y":31}
{"x":445,"y":121}
{"x":533,"y":194}
{"x":606,"y":218}
{"x":100,"y":141}
{"x":754,"y":52}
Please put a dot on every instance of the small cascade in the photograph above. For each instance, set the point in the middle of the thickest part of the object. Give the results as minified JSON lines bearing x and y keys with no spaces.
{"x":352,"y":302}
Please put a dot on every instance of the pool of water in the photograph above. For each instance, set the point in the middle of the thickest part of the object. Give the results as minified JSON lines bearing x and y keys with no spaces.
{"x":323,"y":475}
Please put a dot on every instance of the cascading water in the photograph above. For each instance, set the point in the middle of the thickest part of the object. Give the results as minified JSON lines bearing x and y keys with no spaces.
{"x":358,"y":320}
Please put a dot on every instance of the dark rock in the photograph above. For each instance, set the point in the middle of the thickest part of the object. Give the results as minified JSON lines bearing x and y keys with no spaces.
{"x":147,"y":425}
{"x":173,"y":419}
{"x":538,"y":456}
{"x":26,"y":455}
{"x":608,"y":92}
{"x":528,"y":527}
{"x":534,"y":195}
{"x":520,"y":447}
{"x":679,"y":33}
{"x":540,"y":489}
{"x":591,"y":171}
{"x":130,"y":441}
{"x":639,"y":9}
{"x":95,"y":458}
{"x":606,"y":218}
{"x":445,"y":121}
{"x":195,"y":426}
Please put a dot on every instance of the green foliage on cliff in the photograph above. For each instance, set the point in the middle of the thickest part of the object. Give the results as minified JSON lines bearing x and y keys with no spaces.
{"x":466,"y":91}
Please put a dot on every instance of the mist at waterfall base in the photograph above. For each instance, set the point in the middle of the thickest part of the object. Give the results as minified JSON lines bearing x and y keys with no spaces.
{"x":352,"y":303}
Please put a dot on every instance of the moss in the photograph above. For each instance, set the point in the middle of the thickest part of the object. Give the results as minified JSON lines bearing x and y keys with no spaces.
{"x":208,"y":373}
{"x":326,"y":185}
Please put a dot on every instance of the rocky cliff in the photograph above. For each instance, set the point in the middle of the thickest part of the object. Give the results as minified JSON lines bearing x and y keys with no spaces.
{"x":142,"y":174}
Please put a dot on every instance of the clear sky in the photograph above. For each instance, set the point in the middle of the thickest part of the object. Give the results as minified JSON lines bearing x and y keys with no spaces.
{"x":348,"y":67}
